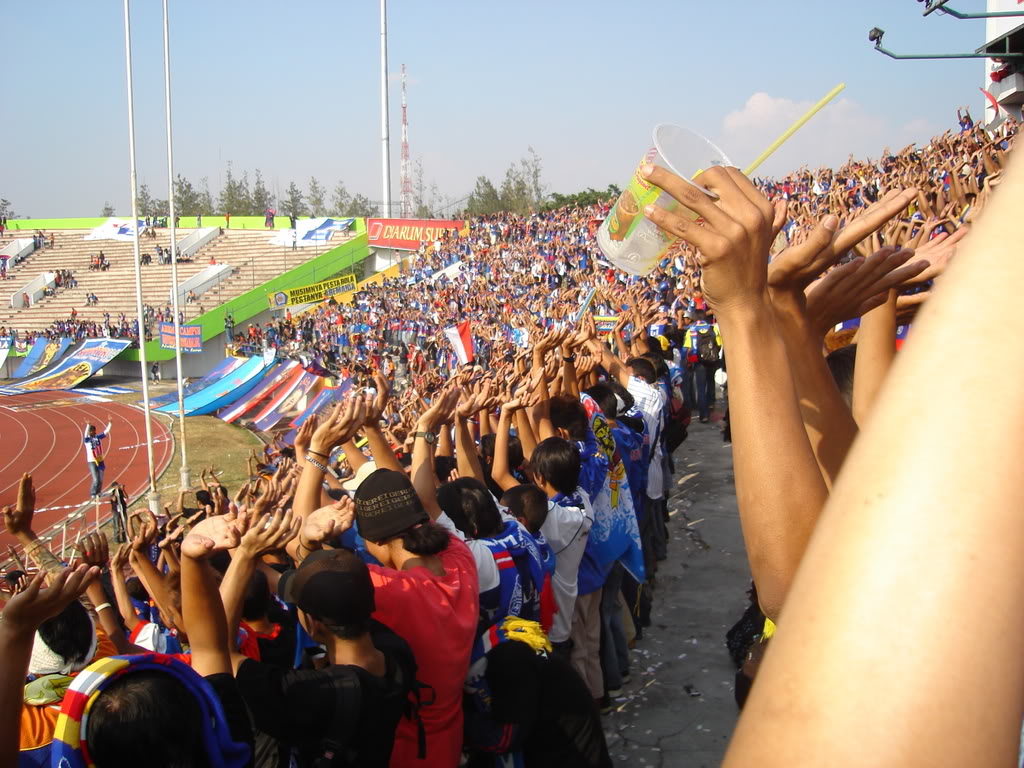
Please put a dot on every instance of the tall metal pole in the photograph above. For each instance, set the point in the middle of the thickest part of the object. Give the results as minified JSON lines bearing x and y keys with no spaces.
{"x":385,"y":140}
{"x":184,"y":472}
{"x":153,"y":497}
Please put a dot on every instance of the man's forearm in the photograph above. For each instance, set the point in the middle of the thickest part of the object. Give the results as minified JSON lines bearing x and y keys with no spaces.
{"x":779,"y":488}
{"x":827,"y":420}
{"x":40,"y":554}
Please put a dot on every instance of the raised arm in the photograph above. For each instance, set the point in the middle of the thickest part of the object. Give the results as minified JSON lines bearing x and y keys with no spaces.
{"x":466,"y":455}
{"x":779,"y":488}
{"x":200,"y":599}
{"x":18,"y":521}
{"x":423,"y":477}
{"x":21,"y":618}
{"x":501,"y":472}
{"x":896,"y":552}
{"x":338,"y":427}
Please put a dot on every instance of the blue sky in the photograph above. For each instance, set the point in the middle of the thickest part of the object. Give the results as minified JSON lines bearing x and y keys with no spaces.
{"x":293,"y":89}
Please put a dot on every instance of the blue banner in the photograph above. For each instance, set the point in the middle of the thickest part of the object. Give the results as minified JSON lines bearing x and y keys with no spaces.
{"x":76,"y":367}
{"x":33,"y":356}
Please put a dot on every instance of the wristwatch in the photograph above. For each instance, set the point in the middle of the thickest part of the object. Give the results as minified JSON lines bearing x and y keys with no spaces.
{"x":430,"y":437}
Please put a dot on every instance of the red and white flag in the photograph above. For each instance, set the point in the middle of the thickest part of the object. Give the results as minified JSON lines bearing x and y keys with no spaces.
{"x":462,"y":341}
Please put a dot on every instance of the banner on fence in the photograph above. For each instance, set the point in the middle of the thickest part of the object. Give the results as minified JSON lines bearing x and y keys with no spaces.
{"x":191,"y":337}
{"x":311,"y":294}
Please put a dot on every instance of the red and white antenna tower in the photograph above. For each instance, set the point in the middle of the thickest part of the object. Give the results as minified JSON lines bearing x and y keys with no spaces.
{"x":406,"y":176}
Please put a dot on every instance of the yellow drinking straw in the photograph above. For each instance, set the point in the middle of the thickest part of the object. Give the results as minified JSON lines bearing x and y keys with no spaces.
{"x":793,"y":129}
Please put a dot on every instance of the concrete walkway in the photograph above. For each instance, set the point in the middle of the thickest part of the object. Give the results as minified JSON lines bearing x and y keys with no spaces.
{"x":678,"y":710}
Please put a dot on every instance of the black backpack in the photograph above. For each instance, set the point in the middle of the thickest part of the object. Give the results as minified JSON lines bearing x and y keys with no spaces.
{"x":336,"y":748}
{"x":707,"y":346}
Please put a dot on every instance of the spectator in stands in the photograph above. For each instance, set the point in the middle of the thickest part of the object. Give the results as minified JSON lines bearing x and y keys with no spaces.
{"x":190,"y":298}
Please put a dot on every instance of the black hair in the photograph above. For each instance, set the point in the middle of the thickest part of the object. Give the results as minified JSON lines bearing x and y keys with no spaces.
{"x":69,"y":634}
{"x":527,"y":503}
{"x":426,"y":539}
{"x":628,"y":401}
{"x":643,"y":368}
{"x":351,"y":630}
{"x":128,"y":723}
{"x":841,"y":364}
{"x":443,"y":466}
{"x":557,"y":462}
{"x":655,"y":349}
{"x":515,"y":450}
{"x":204,"y":498}
{"x":660,"y":366}
{"x":256,"y":600}
{"x":568,"y":413}
{"x":136,"y":589}
{"x":605,"y":399}
{"x":470,"y":506}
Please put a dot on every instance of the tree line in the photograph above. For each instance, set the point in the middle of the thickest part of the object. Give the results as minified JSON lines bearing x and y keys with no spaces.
{"x":240,"y":198}
{"x":521,"y":191}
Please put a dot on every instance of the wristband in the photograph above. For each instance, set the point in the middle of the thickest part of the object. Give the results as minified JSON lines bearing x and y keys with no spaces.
{"x":317,"y":453}
{"x":315,"y":463}
{"x":101,"y":606}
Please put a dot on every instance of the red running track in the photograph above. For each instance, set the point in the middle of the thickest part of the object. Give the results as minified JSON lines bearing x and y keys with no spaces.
{"x":41,"y":433}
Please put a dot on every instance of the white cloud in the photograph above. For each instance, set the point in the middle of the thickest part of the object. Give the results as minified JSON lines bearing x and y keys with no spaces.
{"x":841,"y":128}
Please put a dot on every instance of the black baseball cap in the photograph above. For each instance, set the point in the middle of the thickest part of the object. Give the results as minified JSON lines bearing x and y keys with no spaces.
{"x":387,"y":505}
{"x":332,"y":585}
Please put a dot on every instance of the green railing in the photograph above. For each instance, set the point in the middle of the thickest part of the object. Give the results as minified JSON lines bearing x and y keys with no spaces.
{"x":345,"y":258}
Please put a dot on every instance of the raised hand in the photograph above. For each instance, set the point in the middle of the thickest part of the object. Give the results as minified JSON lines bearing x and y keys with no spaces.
{"x":340,"y":426}
{"x":120,"y":557}
{"x":94,"y":550}
{"x":18,"y":519}
{"x":857,"y":287}
{"x":143,"y":539}
{"x":327,"y":522}
{"x":211,"y":535}
{"x":732,"y":242}
{"x":440,"y":411}
{"x":799,"y":265}
{"x":31,"y":607}
{"x":270,"y":533}
{"x":304,"y":435}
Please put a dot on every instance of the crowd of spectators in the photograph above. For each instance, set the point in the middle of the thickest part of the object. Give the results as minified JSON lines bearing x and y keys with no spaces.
{"x":448,"y":566}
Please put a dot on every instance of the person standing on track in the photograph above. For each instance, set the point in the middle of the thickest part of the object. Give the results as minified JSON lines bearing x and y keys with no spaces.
{"x":94,"y":457}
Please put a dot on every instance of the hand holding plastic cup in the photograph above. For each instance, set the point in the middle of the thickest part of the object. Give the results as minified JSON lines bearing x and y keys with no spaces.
{"x":630,"y":240}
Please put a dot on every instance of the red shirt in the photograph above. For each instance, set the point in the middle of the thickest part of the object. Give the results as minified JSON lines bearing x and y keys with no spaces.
{"x":437,"y":617}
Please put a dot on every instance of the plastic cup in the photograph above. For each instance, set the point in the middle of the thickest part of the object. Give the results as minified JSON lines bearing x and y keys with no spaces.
{"x":628,"y":239}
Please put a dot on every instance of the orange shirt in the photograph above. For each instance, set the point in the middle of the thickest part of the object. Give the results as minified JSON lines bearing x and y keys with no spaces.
{"x":37,"y":723}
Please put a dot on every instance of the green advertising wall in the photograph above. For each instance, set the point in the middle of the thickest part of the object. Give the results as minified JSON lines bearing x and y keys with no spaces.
{"x":253,"y":302}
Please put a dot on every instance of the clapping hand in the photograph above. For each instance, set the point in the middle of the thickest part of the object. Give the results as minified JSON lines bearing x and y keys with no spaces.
{"x":32,"y":606}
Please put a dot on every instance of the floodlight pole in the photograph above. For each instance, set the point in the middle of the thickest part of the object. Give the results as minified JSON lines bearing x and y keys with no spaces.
{"x":153,"y":497}
{"x":185,"y":479}
{"x":385,"y":140}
